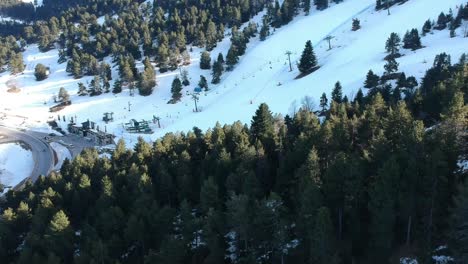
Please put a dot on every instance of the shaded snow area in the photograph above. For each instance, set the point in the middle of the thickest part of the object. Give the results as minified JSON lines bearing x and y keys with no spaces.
{"x":34,"y":2}
{"x":440,"y":256}
{"x":408,"y":261}
{"x":16,"y":163}
{"x":463,"y":165}
{"x":442,"y":259}
{"x":262,"y":74}
{"x":62,"y":153}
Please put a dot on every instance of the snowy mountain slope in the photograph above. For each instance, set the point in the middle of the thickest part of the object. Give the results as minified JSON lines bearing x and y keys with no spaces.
{"x":357,"y":52}
{"x":256,"y":77}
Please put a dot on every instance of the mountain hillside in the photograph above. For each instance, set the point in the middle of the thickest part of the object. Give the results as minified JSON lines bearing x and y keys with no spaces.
{"x":262,"y":74}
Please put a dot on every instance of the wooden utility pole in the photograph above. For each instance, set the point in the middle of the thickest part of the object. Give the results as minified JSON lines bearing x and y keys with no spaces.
{"x":129,"y":104}
{"x":289,"y":58}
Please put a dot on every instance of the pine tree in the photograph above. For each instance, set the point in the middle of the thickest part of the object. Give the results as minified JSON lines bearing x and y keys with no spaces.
{"x":309,"y":172}
{"x":211,"y":36}
{"x":372,"y":80}
{"x":203,"y":83}
{"x":213,"y":233}
{"x":184,"y":77}
{"x":117,"y":87}
{"x":457,"y":22}
{"x":452,"y":33}
{"x":310,"y":200}
{"x":426,"y":27}
{"x":205,"y":61}
{"x":277,"y":16}
{"x":306,"y":5}
{"x":287,"y":11}
{"x":401,"y":80}
{"x":231,"y":58}
{"x":456,"y":111}
{"x":220,"y":58}
{"x":396,"y":95}
{"x":378,"y":4}
{"x":407,"y":40}
{"x":16,"y":64}
{"x":201,"y":40}
{"x":359,"y":97}
{"x":176,"y":90}
{"x":322,"y":246}
{"x":321,"y":4}
{"x":217,"y":71}
{"x":209,"y":196}
{"x":62,"y":56}
{"x":63,"y":95}
{"x":411,"y":82}
{"x":416,"y":39}
{"x":337,"y":93}
{"x":308,"y":60}
{"x":239,"y":219}
{"x":76,"y":69}
{"x":412,"y":40}
{"x":393,"y":44}
{"x":82,"y":89}
{"x":59,"y":235}
{"x":381,"y":207}
{"x":106,"y":85}
{"x":262,"y":124}
{"x":323,"y":102}
{"x":147,"y":80}
{"x":441,"y":22}
{"x":163,"y":55}
{"x":459,"y":225}
{"x":265,"y":29}
{"x":125,"y":71}
{"x":106,"y":72}
{"x":40,"y":71}
{"x":391,"y":66}
{"x":356,"y":24}
{"x":95,"y":86}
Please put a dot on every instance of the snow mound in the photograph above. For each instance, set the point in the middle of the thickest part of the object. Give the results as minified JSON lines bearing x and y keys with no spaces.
{"x":16,"y":163}
{"x":62,"y":154}
{"x":408,"y":261}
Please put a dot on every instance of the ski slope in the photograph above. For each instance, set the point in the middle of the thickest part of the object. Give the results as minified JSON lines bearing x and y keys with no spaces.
{"x":256,"y":77}
{"x":354,"y":53}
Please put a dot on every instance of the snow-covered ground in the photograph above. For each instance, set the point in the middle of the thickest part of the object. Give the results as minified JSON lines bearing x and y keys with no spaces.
{"x":257,"y":76}
{"x":34,"y":2}
{"x":62,"y":153}
{"x":408,"y":261}
{"x":16,"y":163}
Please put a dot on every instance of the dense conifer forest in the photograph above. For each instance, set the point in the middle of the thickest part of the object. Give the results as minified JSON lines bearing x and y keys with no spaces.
{"x":365,"y":179}
{"x":362,"y":181}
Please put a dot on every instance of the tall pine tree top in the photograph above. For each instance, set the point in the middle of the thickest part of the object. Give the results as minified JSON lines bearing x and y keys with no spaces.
{"x":337,"y":93}
{"x":308,"y":60}
{"x":262,"y":123}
